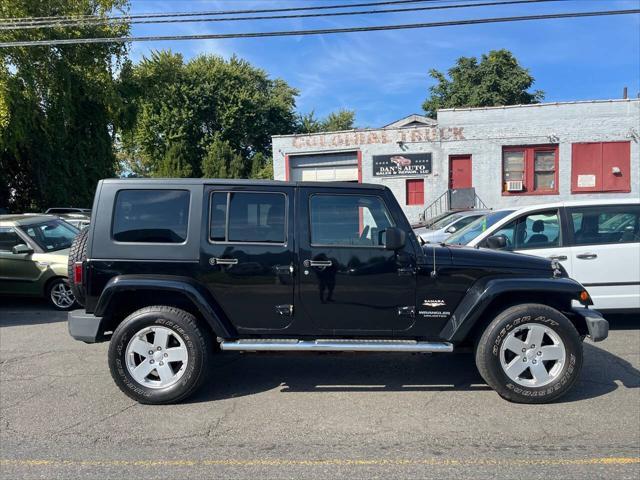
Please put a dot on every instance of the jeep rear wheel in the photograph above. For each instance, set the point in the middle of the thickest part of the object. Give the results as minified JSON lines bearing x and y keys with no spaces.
{"x":530,"y":354}
{"x":159,"y":355}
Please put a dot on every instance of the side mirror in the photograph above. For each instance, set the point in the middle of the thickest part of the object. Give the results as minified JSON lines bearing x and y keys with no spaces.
{"x":451,"y":229}
{"x":496,"y":242}
{"x":395,"y":238}
{"x":21,"y":249}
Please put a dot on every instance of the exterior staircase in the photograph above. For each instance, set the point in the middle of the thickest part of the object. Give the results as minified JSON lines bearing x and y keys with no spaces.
{"x":453,"y":199}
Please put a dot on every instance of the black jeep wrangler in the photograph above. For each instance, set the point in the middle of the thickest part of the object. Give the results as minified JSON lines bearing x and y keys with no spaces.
{"x":175,"y":271}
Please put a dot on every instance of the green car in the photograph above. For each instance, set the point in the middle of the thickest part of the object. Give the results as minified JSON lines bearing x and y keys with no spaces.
{"x":33,"y":258}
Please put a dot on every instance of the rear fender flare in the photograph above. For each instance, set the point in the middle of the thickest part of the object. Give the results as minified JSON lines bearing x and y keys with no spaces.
{"x":196,"y":293}
{"x":480,"y":296}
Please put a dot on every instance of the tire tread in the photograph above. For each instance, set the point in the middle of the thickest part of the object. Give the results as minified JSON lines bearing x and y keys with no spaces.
{"x":202,"y":338}
{"x":483,"y":354}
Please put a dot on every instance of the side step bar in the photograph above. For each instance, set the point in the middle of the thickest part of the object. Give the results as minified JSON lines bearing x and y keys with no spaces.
{"x":286,"y":345}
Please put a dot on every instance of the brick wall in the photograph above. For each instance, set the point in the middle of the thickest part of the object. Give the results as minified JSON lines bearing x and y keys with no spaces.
{"x":483,"y":133}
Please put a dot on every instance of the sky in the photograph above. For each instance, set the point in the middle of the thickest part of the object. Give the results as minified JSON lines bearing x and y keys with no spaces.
{"x":383,"y":76}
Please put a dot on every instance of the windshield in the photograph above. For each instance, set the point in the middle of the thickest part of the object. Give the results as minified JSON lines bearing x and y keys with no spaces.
{"x":443,"y":222}
{"x":51,"y":235}
{"x":474,"y":229}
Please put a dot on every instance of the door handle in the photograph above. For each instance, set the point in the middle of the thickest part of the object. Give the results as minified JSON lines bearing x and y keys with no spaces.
{"x":587,"y":256}
{"x":317,"y":263}
{"x":558,"y":257}
{"x":223,"y":261}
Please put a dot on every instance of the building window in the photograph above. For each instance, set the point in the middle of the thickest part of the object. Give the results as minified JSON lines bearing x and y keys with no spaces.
{"x":600,"y":167}
{"x":530,"y":170}
{"x":415,"y":192}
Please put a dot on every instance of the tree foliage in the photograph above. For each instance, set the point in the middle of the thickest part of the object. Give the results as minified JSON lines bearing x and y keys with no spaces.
{"x":57,"y":107}
{"x":497,"y":79}
{"x":73,"y":114}
{"x":335,"y":121}
{"x":224,"y":110}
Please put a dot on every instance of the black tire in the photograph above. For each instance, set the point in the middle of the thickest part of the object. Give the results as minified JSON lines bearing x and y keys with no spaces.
{"x":489,"y":351}
{"x":198,"y":344}
{"x":59,"y":283}
{"x":77,"y":253}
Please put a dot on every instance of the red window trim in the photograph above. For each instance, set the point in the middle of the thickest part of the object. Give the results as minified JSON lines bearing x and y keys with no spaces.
{"x":529,"y":164}
{"x":409,"y":192}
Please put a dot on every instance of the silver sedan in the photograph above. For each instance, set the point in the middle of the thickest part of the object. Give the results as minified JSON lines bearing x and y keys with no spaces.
{"x":440,"y":230}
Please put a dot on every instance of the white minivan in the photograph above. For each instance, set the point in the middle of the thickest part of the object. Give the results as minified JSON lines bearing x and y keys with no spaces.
{"x":596,"y":241}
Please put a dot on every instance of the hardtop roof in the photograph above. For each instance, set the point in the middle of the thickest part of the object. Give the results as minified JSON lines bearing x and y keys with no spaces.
{"x":239,"y":182}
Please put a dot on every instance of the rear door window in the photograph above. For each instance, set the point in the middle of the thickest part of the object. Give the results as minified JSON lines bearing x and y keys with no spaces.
{"x":151,"y":216}
{"x":248,"y":217}
{"x":605,"y":224}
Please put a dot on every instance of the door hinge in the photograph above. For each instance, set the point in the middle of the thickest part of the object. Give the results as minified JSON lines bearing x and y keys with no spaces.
{"x":408,"y":311}
{"x":284,"y":310}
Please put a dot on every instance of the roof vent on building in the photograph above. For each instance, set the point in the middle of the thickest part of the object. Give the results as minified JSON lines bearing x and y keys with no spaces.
{"x":412,"y":121}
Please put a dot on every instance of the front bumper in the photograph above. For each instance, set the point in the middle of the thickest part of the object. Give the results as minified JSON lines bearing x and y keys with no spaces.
{"x":85,"y":326}
{"x":597,"y":326}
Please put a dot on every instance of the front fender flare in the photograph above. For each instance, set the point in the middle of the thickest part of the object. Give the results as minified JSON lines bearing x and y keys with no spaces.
{"x":192,"y":290}
{"x":485,"y":291}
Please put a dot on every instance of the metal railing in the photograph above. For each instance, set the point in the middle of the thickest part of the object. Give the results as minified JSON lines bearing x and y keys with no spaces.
{"x":467,"y":199}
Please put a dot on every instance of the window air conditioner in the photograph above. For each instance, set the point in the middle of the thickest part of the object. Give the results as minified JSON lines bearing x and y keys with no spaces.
{"x":515,"y":186}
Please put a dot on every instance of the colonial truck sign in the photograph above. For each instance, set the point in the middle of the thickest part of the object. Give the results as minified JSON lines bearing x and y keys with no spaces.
{"x":401,"y":165}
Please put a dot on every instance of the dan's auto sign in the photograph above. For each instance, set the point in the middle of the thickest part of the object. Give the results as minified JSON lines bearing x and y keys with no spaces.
{"x":401,"y":165}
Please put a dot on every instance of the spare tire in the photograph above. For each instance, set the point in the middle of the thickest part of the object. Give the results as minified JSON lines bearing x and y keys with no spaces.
{"x":77,"y":253}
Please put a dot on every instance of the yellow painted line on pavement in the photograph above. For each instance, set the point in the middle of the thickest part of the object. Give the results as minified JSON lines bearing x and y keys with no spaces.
{"x":329,"y":462}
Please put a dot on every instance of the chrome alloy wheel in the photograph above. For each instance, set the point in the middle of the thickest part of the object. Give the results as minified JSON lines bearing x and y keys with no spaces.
{"x":61,"y":295}
{"x":532,"y":355}
{"x":156,"y":357}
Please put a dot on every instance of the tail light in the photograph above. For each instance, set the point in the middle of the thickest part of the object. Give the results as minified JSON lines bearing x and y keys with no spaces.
{"x":77,"y":273}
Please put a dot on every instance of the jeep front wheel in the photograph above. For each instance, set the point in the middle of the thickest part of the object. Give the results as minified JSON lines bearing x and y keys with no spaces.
{"x":159,"y":355}
{"x":530,"y":354}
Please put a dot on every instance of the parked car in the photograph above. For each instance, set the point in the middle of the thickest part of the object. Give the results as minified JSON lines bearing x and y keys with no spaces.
{"x":422,"y":222}
{"x":443,"y":228}
{"x":596,"y":241}
{"x":464,"y":235}
{"x":175,"y":271}
{"x":78,"y":220}
{"x":62,"y":210}
{"x":33,"y":258}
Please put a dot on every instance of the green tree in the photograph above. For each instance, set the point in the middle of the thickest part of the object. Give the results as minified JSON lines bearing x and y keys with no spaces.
{"x":176,"y":161}
{"x":261,"y":166}
{"x":57,"y":138}
{"x":497,"y":79}
{"x":223,"y":109}
{"x":222,"y":161}
{"x":335,"y":121}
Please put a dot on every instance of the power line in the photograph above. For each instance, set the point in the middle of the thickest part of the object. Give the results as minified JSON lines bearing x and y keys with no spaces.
{"x":221,"y":12}
{"x":274,"y":17}
{"x":323,"y":31}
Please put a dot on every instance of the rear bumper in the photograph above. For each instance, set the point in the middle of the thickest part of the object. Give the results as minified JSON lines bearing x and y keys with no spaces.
{"x":597,"y":326}
{"x":85,"y":326}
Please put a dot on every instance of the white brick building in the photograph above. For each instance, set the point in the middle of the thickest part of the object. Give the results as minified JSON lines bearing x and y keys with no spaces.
{"x":516,"y":155}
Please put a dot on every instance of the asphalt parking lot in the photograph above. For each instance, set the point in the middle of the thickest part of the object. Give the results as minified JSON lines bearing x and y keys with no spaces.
{"x":295,"y":416}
